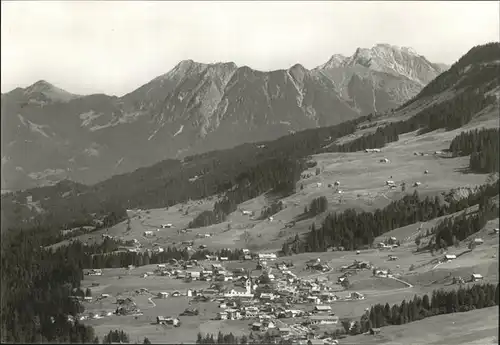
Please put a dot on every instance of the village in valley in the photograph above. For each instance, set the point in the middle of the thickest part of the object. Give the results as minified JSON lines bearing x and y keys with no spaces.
{"x":250,"y":174}
{"x":314,"y":298}
{"x":170,"y":282}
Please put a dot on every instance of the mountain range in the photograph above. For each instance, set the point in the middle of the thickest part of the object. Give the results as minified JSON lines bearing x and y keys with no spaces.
{"x":49,"y":134}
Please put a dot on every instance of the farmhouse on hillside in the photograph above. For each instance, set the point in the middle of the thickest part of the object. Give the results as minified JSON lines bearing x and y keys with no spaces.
{"x":478,"y":241}
{"x":476,"y":277}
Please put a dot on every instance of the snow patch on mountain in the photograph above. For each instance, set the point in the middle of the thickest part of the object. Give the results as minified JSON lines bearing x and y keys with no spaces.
{"x":127,"y":117}
{"x":179,"y":131}
{"x":88,"y":117}
{"x":119,"y":162}
{"x":33,"y":126}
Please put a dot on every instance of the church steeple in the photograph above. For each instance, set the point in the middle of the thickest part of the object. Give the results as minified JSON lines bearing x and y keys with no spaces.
{"x":248,"y":285}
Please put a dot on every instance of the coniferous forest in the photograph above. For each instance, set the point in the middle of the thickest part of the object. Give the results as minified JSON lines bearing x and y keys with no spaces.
{"x":354,"y":230}
{"x":473,"y":297}
{"x":483,"y":146}
{"x":36,"y":286}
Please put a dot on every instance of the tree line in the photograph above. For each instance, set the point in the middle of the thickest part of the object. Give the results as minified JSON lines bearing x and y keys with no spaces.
{"x":483,"y":147}
{"x":476,"y":68}
{"x":449,"y":114}
{"x":229,"y":338}
{"x":108,"y":255}
{"x":477,"y":296}
{"x":37,"y":286}
{"x":353,"y":230}
{"x":451,"y":230}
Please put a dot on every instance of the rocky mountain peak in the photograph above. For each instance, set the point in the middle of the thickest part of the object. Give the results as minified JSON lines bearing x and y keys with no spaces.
{"x":298,"y":72}
{"x":48,"y":92}
{"x":337,"y":60}
{"x":395,"y":60}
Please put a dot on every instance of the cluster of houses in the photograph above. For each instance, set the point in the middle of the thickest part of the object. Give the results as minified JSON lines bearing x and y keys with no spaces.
{"x":357,"y":265}
{"x":265,"y":298}
{"x":275,"y":293}
{"x":391,"y":242}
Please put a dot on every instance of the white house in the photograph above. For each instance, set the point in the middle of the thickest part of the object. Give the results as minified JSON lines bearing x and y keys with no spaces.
{"x":148,"y":233}
{"x":476,"y":277}
{"x":478,"y":241}
{"x":194,"y":274}
{"x":322,"y":309}
{"x":323,"y":320}
{"x":449,"y":257}
{"x":164,"y":226}
{"x":267,"y":296}
{"x":267,"y":256}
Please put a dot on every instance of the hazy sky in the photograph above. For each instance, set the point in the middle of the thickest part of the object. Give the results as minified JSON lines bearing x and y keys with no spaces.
{"x":114,"y":47}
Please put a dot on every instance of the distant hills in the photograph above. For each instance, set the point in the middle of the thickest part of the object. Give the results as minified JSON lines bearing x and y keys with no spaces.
{"x":49,"y":134}
{"x":469,"y":89}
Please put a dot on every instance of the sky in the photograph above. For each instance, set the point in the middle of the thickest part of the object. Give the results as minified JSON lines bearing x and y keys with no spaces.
{"x":114,"y":47}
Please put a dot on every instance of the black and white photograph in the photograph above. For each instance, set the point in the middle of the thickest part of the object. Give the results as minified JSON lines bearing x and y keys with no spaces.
{"x":250,"y":172}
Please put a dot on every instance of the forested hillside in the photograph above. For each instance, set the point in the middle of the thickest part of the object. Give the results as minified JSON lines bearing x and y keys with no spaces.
{"x":482,"y":145}
{"x":353,"y":230}
{"x":36,"y":286}
{"x":481,"y":66}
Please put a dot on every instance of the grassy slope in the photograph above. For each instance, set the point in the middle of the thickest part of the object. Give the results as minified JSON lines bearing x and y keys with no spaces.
{"x":478,"y":327}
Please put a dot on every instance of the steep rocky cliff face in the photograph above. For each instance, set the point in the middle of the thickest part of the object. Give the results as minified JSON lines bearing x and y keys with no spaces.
{"x":49,"y":134}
